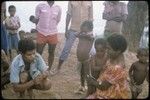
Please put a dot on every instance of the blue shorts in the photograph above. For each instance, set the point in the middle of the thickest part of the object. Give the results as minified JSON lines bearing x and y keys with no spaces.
{"x":13,"y":41}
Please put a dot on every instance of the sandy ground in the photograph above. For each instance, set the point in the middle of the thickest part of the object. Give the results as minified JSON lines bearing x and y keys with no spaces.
{"x":67,"y":81}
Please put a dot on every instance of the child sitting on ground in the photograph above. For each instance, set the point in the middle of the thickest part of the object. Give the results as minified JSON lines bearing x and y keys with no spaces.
{"x":138,"y":72}
{"x":84,"y":46}
{"x":97,"y":62}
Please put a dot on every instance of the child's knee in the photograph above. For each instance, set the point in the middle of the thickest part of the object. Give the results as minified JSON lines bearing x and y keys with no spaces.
{"x":47,"y":84}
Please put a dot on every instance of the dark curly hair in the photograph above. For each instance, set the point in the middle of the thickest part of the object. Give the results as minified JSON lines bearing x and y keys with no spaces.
{"x":143,"y":51}
{"x":100,"y":41}
{"x":11,"y":7}
{"x":88,"y":24}
{"x":117,"y":42}
{"x":25,"y":45}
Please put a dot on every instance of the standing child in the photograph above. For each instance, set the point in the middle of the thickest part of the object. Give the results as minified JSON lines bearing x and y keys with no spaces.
{"x":97,"y":62}
{"x":138,"y":72}
{"x":84,"y":46}
{"x":12,"y":25}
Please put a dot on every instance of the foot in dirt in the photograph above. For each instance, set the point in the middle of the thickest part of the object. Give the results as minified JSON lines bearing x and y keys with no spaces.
{"x":54,"y":72}
{"x":81,"y":90}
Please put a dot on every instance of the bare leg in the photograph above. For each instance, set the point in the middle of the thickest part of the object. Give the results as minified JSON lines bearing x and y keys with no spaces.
{"x":40,"y":48}
{"x":30,"y":92}
{"x":60,"y":64}
{"x":134,"y":95}
{"x":23,"y":78}
{"x":82,"y":76}
{"x":51,"y":51}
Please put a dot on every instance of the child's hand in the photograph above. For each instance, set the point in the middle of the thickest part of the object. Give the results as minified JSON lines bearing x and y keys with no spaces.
{"x":38,"y":79}
{"x":15,"y":27}
{"x":91,"y":80}
{"x":132,"y":82}
{"x":45,"y":74}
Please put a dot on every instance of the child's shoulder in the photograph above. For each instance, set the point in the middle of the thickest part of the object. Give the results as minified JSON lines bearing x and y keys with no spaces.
{"x":135,"y":63}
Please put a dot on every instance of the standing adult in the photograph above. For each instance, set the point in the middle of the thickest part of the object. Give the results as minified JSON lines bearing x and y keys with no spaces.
{"x":115,"y":13}
{"x":47,"y":18}
{"x":78,"y":12}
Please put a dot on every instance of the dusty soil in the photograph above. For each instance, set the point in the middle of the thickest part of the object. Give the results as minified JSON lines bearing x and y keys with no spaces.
{"x":67,"y":81}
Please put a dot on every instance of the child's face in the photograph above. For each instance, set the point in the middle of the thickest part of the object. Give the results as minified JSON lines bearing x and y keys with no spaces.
{"x":12,"y":11}
{"x":100,"y":50}
{"x":84,"y":29}
{"x":111,"y":52}
{"x":142,"y":58}
{"x":29,"y":56}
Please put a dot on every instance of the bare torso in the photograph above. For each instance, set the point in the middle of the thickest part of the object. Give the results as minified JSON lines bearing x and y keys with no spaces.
{"x":83,"y":49}
{"x":139,"y":72}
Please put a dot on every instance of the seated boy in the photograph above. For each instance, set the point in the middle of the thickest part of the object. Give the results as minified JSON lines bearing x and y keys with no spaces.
{"x":33,"y":64}
{"x":97,"y":62}
{"x":84,"y":46}
{"x":138,"y":72}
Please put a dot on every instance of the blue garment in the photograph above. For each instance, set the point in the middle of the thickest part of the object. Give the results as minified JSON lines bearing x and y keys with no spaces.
{"x":68,"y":44}
{"x":4,"y":38}
{"x":36,"y":67}
{"x":13,"y":41}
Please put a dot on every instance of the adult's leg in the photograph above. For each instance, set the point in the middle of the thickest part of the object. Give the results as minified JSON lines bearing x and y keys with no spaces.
{"x":67,"y":47}
{"x":40,"y":48}
{"x":51,"y":51}
{"x":41,"y":42}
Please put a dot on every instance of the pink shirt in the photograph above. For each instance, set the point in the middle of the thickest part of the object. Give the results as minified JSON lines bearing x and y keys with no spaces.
{"x":49,"y":18}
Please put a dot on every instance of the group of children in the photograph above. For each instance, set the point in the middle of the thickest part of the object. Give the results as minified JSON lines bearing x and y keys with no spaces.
{"x":94,"y":65}
{"x":91,"y":65}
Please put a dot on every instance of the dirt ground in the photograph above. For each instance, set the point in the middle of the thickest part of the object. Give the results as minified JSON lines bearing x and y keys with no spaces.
{"x":67,"y":81}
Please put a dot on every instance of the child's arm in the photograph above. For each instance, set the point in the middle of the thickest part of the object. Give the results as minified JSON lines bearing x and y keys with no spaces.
{"x":9,"y":27}
{"x":147,"y":77}
{"x":97,"y":68}
{"x":104,"y":85}
{"x":131,"y":72}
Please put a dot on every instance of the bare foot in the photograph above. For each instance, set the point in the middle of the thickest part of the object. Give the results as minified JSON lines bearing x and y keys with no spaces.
{"x":81,"y":90}
{"x":54,"y":72}
{"x":30,"y":92}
